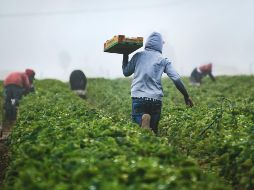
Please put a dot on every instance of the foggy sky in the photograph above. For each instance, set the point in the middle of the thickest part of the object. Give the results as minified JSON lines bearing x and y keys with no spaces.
{"x":56,"y":36}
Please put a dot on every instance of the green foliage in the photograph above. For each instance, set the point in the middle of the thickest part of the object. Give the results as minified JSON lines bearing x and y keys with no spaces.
{"x":1,"y":101}
{"x":218,"y":131}
{"x":60,"y":142}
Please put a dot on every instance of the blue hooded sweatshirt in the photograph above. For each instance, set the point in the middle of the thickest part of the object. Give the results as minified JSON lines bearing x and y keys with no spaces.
{"x":148,"y":67}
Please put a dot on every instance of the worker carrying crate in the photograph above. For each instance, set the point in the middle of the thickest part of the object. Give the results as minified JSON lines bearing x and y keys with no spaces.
{"x":147,"y":67}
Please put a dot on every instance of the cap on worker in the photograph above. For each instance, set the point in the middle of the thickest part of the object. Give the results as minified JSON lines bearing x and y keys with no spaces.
{"x":30,"y":72}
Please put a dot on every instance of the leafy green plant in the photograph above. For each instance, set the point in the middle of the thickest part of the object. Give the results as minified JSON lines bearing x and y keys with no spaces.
{"x":61,"y":142}
{"x":217,"y":131}
{"x":1,"y":101}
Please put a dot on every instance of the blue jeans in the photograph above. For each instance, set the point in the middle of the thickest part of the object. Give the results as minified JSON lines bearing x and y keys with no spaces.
{"x":196,"y":77}
{"x":12,"y":93}
{"x":141,"y":106}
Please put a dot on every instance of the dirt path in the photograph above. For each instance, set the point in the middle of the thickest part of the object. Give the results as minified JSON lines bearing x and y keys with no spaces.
{"x":4,"y":151}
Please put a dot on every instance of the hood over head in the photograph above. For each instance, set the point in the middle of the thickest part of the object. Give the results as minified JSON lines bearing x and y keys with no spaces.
{"x":155,"y":42}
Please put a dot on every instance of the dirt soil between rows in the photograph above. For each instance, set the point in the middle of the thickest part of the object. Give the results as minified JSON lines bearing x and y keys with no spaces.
{"x":4,"y":153}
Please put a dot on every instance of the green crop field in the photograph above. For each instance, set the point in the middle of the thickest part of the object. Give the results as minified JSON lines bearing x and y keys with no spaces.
{"x":63,"y":142}
{"x":218,"y":131}
{"x":1,"y":101}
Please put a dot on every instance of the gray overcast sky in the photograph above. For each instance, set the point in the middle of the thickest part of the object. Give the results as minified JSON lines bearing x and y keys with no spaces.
{"x":56,"y":36}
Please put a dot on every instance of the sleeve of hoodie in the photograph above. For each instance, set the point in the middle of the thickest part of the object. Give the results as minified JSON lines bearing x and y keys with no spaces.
{"x":129,"y":66}
{"x":175,"y":77}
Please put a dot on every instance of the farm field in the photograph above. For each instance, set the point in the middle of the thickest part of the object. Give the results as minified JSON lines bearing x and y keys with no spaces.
{"x":63,"y":142}
{"x":1,"y":100}
{"x":218,"y":131}
{"x":2,"y":146}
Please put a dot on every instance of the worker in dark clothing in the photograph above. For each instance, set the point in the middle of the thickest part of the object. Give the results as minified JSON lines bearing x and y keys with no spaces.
{"x":16,"y":85}
{"x":78,"y":83}
{"x":146,"y":89}
{"x":200,"y":72}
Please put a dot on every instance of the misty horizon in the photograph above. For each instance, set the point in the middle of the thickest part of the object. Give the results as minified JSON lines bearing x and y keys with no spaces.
{"x":56,"y":37}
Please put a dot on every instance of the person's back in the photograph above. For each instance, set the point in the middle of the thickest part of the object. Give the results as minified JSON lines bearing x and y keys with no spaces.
{"x":78,"y":82}
{"x":149,"y":66}
{"x":16,"y":84}
{"x":146,"y":89}
{"x":205,"y":69}
{"x":200,"y":72}
{"x":17,"y":78}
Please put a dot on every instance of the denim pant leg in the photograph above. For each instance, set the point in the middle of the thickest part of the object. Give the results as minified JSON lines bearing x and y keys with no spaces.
{"x":140,"y":107}
{"x":137,"y":110}
{"x":155,"y":118}
{"x":12,"y":92}
{"x":155,"y":112}
{"x":7,"y":103}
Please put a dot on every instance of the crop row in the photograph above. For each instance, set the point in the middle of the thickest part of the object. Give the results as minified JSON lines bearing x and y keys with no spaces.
{"x":218,"y":131}
{"x":1,"y":101}
{"x":60,"y":142}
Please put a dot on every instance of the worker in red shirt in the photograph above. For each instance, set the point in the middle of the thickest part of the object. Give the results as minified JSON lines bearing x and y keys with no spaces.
{"x":200,"y":72}
{"x":16,"y":85}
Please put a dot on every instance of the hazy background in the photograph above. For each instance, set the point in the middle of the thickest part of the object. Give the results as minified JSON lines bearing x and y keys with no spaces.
{"x":56,"y":36}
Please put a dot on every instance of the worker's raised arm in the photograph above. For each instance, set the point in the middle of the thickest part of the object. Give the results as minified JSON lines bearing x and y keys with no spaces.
{"x":128,"y":66}
{"x":175,"y":77}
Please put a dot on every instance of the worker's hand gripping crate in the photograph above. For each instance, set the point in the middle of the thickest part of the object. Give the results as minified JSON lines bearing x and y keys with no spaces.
{"x":123,"y":45}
